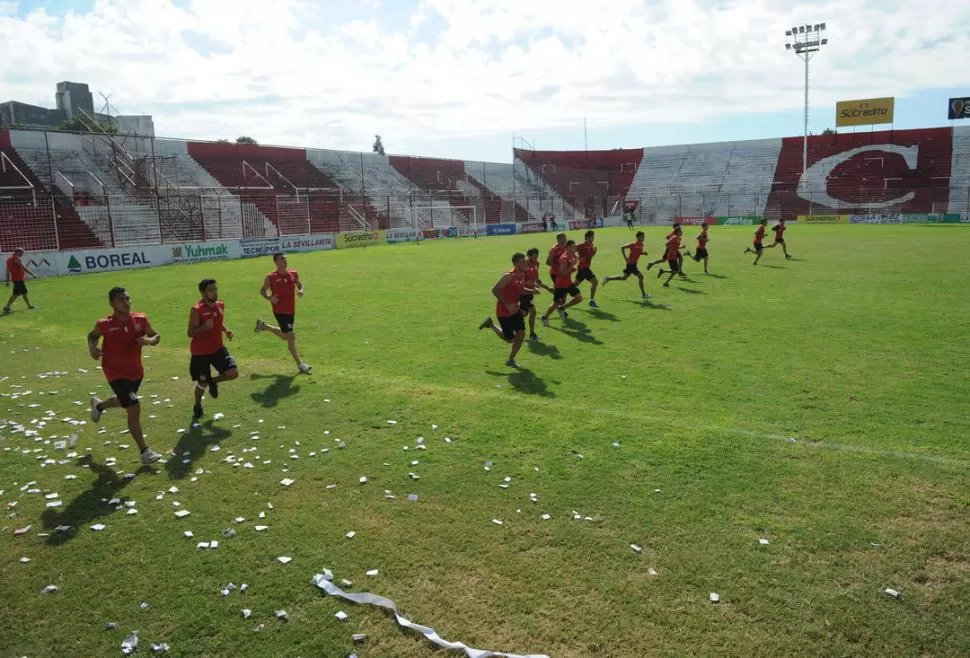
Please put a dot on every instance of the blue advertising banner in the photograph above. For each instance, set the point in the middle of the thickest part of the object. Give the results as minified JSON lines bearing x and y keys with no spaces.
{"x":499,"y":229}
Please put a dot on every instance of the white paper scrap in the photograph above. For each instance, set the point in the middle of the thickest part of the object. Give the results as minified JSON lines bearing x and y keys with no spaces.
{"x":287,"y":482}
{"x":373,"y":572}
{"x":893,"y":593}
{"x":715,"y":597}
{"x":351,"y":534}
{"x":98,"y":527}
{"x":636,"y":548}
{"x":763,"y":542}
{"x":285,"y":559}
{"x":182,"y":513}
{"x":366,"y":598}
{"x":341,"y":615}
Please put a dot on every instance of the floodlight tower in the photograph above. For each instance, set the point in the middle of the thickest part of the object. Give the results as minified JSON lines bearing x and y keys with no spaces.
{"x":806,"y":41}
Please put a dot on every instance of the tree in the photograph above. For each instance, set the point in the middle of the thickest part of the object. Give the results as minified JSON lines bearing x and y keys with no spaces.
{"x":829,"y":131}
{"x":378,"y":145}
{"x":75,"y":125}
{"x":246,"y":139}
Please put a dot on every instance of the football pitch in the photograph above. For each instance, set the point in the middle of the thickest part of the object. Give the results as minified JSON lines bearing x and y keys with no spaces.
{"x":818,"y":404}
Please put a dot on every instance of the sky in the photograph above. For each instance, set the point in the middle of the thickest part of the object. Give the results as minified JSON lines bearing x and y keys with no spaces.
{"x":467,"y":78}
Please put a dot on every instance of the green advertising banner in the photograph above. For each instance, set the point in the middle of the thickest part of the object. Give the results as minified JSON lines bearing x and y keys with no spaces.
{"x":737,"y":220}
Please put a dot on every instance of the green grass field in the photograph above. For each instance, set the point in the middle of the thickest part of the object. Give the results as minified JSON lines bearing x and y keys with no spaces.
{"x":819,"y":403}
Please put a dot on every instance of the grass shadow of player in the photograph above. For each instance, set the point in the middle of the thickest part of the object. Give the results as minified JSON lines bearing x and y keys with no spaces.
{"x":646,"y":303}
{"x":87,"y":507}
{"x":191,"y":446}
{"x":691,"y":291}
{"x":797,"y":260}
{"x":543,"y":349}
{"x":603,"y":315}
{"x":281,"y":387}
{"x":718,"y":276}
{"x":578,"y":330}
{"x":525,"y":381}
{"x":772,"y":267}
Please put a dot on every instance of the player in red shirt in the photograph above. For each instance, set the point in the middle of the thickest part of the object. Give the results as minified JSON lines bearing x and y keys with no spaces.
{"x":757,"y":248}
{"x":123,"y":333}
{"x":631,"y":254}
{"x":534,"y":283}
{"x":564,"y":284}
{"x":586,"y":251}
{"x":673,"y":256}
{"x":508,"y":290}
{"x":663,"y":254}
{"x":779,"y":230}
{"x":700,"y":254}
{"x":206,"y":327}
{"x":280,"y":288}
{"x":17,"y":272}
{"x":555,"y":253}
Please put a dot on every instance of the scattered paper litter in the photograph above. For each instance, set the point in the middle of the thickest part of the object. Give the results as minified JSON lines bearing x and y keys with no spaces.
{"x":261,"y":528}
{"x":651,"y":571}
{"x":891,"y":592}
{"x":636,"y":548}
{"x":247,"y":613}
{"x":282,"y":615}
{"x":131,"y":642}
{"x":546,"y":517}
{"x":351,"y":534}
{"x":763,"y":542}
{"x":182,"y":513}
{"x":50,"y":589}
{"x":498,"y":522}
{"x":98,"y":527}
{"x":160,"y":648}
{"x":363,"y":479}
{"x":287,"y":482}
{"x":715,"y":597}
{"x":372,"y":572}
{"x":188,"y":534}
{"x":218,"y":415}
{"x":341,"y":615}
{"x":285,"y":559}
{"x":24,"y":560}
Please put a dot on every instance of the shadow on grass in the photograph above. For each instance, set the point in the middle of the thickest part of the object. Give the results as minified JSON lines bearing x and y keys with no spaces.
{"x":579,"y":331}
{"x":603,"y":315}
{"x":718,"y":276}
{"x":191,"y":446}
{"x":280,"y":388}
{"x":543,"y":349}
{"x":87,"y":507}
{"x":771,"y":267}
{"x":525,"y":381}
{"x":646,"y":303}
{"x":691,"y":291}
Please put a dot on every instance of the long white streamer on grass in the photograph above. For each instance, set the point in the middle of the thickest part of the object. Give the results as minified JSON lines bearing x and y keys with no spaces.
{"x":323,"y":581}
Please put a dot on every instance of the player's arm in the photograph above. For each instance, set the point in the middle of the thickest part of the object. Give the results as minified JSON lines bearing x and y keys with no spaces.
{"x":499,"y":286}
{"x":264,"y":292}
{"x":542,"y":285}
{"x":27,"y":270}
{"x":549,"y":260}
{"x":625,"y":248}
{"x":93,"y":337}
{"x":196,"y":326}
{"x":151,"y":337}
{"x":299,"y":286}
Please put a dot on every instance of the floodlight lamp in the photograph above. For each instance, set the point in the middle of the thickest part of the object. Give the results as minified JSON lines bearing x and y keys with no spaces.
{"x":824,"y":41}
{"x":822,"y":25}
{"x":787,"y":33}
{"x":787,"y":46}
{"x":801,"y":29}
{"x":794,"y":30}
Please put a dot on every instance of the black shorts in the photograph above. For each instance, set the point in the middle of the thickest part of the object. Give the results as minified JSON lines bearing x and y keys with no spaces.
{"x":674,"y":265}
{"x":700,"y":254}
{"x":126,"y":391}
{"x":758,"y":247}
{"x":19,"y":288}
{"x":200,"y":364}
{"x":560,"y":294}
{"x":511,"y":324}
{"x":525,"y":304}
{"x":285,"y":321}
{"x":584,"y":274}
{"x":631,"y":268}
{"x":779,"y":240}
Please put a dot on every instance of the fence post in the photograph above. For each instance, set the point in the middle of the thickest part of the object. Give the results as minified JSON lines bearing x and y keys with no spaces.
{"x":111,"y":221}
{"x":57,"y":234}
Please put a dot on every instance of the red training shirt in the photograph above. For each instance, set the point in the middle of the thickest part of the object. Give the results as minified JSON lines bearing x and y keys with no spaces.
{"x":586,"y":251}
{"x":759,"y":235}
{"x":567,"y":262}
{"x":531,"y":275}
{"x":510,"y":295}
{"x":16,"y":269}
{"x":702,"y":240}
{"x":636,"y":250}
{"x":208,"y":342}
{"x":555,"y":253}
{"x":673,"y":248}
{"x":120,"y":349}
{"x":284,"y":287}
{"x":779,"y":232}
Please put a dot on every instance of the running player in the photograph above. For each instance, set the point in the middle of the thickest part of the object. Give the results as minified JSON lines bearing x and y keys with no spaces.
{"x":700,"y":254}
{"x":17,"y":272}
{"x":673,"y":256}
{"x":534,"y":283}
{"x":586,"y":251}
{"x":779,"y":230}
{"x":564,"y":284}
{"x":508,"y":290}
{"x":631,"y":254}
{"x":124,"y":334}
{"x":663,"y":254}
{"x":757,"y":247}
{"x":280,"y":288}
{"x":206,"y":327}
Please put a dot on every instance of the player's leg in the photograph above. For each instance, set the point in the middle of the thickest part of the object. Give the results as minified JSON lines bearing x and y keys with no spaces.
{"x":200,"y":373}
{"x":225,"y":365}
{"x":27,"y":300}
{"x":263,"y":326}
{"x":759,"y":251}
{"x":576,"y":295}
{"x":6,"y":307}
{"x":594,"y":284}
{"x":517,"y":340}
{"x":705,"y":264}
{"x":680,"y":264}
{"x":488,"y":323}
{"x":784,"y":248}
{"x":532,"y":323}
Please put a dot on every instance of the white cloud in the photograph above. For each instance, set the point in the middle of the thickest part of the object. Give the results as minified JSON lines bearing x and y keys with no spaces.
{"x":285,"y":72}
